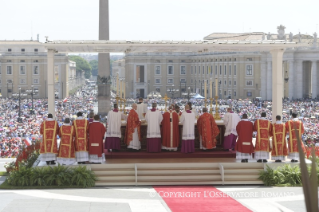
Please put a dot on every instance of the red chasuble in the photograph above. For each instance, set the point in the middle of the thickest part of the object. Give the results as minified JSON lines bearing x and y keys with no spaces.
{"x":279,"y":145}
{"x":49,"y":130}
{"x":133,"y":122}
{"x":263,"y":128}
{"x":81,"y":135}
{"x":208,"y":129}
{"x":245,"y":137}
{"x":96,"y":136}
{"x":290,"y":128}
{"x":67,"y":134}
{"x":170,"y":129}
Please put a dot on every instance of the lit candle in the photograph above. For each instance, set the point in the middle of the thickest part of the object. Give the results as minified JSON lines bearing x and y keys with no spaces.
{"x":117,"y":86}
{"x":216,"y":87}
{"x":120,"y":85}
{"x":211,"y":88}
{"x":123,"y":89}
{"x":205,"y":92}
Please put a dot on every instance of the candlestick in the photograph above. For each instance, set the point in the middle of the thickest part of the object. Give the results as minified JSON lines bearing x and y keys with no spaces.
{"x":205,"y":92}
{"x":117,"y":85}
{"x":216,"y":87}
{"x":211,"y":88}
{"x":211,"y":106}
{"x":123,"y":89}
{"x":216,"y":117}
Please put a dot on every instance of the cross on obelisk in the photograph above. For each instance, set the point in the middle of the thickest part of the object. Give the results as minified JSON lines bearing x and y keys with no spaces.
{"x":104,"y":92}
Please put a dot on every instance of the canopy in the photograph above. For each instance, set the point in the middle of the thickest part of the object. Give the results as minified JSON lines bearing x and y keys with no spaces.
{"x":198,"y":96}
{"x":154,"y":94}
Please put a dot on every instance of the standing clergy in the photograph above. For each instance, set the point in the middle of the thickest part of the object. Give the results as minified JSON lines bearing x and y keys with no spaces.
{"x":113,"y":132}
{"x":153,"y":118}
{"x":141,"y":109}
{"x":293,"y":126}
{"x":279,"y":144}
{"x":133,"y":130}
{"x":66,"y":154}
{"x":231,"y":120}
{"x":170,"y":130}
{"x":244,"y":146}
{"x":96,"y":136}
{"x":262,"y":146}
{"x":188,"y":136}
{"x":208,"y":130}
{"x":49,"y":147}
{"x":177,"y":110}
{"x":81,"y":126}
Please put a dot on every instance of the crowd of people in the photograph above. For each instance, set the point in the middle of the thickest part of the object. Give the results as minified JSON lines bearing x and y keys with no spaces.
{"x":15,"y":135}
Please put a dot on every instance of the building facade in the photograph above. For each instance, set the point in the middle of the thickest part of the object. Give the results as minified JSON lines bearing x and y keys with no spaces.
{"x":26,"y":66}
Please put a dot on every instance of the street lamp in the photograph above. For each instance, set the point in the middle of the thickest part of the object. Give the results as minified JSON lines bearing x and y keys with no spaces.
{"x":19,"y":95}
{"x":32,"y":92}
{"x":188,"y":90}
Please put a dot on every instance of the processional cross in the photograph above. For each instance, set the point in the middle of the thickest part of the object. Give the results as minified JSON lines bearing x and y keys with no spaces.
{"x":165,"y":99}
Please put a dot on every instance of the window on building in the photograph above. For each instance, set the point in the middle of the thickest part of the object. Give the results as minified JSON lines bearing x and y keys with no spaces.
{"x":234,"y":59}
{"x":229,"y":70}
{"x":170,"y":70}
{"x":249,"y":70}
{"x":183,"y":90}
{"x":35,"y":61}
{"x":229,"y":93}
{"x":157,"y":81}
{"x":183,"y":70}
{"x":225,"y":93}
{"x":183,"y":80}
{"x":23,"y":81}
{"x":234,"y":82}
{"x":170,"y":61}
{"x":220,"y":70}
{"x":235,"y":93}
{"x":249,"y":59}
{"x":191,"y":69}
{"x":22,"y":61}
{"x":158,"y":90}
{"x":235,"y":71}
{"x":191,"y":81}
{"x":158,"y":70}
{"x":215,"y":70}
{"x":249,"y":94}
{"x":22,"y":50}
{"x":249,"y":83}
{"x":198,"y":69}
{"x":195,"y":69}
{"x":22,"y":70}
{"x":203,"y":70}
{"x":170,"y":81}
{"x":229,"y":82}
{"x":0,"y":70}
{"x":9,"y":61}
{"x":9,"y":90}
{"x":225,"y":82}
{"x":9,"y":81}
{"x":35,"y":50}
{"x":182,"y":61}
{"x":207,"y":70}
{"x":35,"y":81}
{"x":9,"y":50}
{"x":36,"y":70}
{"x":225,"y":70}
{"x":9,"y":70}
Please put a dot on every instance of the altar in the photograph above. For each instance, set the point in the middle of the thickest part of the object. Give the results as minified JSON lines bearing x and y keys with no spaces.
{"x":219,"y":138}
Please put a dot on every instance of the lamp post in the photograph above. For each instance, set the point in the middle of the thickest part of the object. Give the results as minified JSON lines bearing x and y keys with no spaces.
{"x":19,"y":95}
{"x":188,"y":89}
{"x":32,"y":92}
{"x":172,"y":91}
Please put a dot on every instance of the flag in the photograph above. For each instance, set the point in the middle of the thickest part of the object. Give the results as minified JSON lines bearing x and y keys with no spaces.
{"x":27,"y":141}
{"x":65,"y":100}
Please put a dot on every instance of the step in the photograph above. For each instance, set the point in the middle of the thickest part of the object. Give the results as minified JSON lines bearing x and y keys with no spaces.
{"x":241,"y":177}
{"x":248,"y":182}
{"x":177,"y":172}
{"x":179,"y":178}
{"x":106,"y":183}
{"x":242,"y":165}
{"x":115,"y":173}
{"x":177,"y":166}
{"x":116,"y":178}
{"x":181,"y":183}
{"x":242,"y":171}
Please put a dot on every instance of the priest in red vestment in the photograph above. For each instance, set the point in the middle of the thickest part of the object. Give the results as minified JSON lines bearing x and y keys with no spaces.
{"x":178,"y":111}
{"x":170,"y":130}
{"x":208,"y":130}
{"x":133,"y":130}
{"x":96,"y":136}
{"x":153,"y":118}
{"x":262,"y":146}
{"x":244,"y":146}
{"x":81,"y":126}
{"x":279,"y":144}
{"x":66,"y":151}
{"x":291,"y":127}
{"x":49,"y":148}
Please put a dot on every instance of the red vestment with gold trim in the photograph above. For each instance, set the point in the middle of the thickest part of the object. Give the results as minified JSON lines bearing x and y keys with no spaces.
{"x":208,"y":129}
{"x":279,"y":143}
{"x":81,"y":135}
{"x":290,"y":128}
{"x":67,"y":135}
{"x":49,"y":130}
{"x":133,"y":121}
{"x":263,"y":128}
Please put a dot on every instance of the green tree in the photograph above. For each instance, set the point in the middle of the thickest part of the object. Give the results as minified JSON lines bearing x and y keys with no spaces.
{"x":81,"y":65}
{"x":94,"y":66}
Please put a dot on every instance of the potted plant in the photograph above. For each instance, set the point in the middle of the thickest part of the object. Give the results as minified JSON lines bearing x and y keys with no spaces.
{"x":10,"y":166}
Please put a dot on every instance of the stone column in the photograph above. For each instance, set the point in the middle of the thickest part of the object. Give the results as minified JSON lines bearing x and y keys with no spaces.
{"x":291,"y":82}
{"x":269,"y":81}
{"x":277,"y":83}
{"x":313,"y":79}
{"x":104,"y":91}
{"x":50,"y":81}
{"x":263,"y":80}
{"x":298,"y":82}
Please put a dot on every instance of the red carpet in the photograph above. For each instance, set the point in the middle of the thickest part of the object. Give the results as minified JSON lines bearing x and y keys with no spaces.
{"x":143,"y":154}
{"x":198,"y":199}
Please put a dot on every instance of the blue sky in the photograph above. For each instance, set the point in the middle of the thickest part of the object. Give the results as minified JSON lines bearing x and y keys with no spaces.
{"x":153,"y":19}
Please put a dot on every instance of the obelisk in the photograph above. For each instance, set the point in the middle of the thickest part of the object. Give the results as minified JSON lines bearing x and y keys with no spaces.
{"x":104,"y":95}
